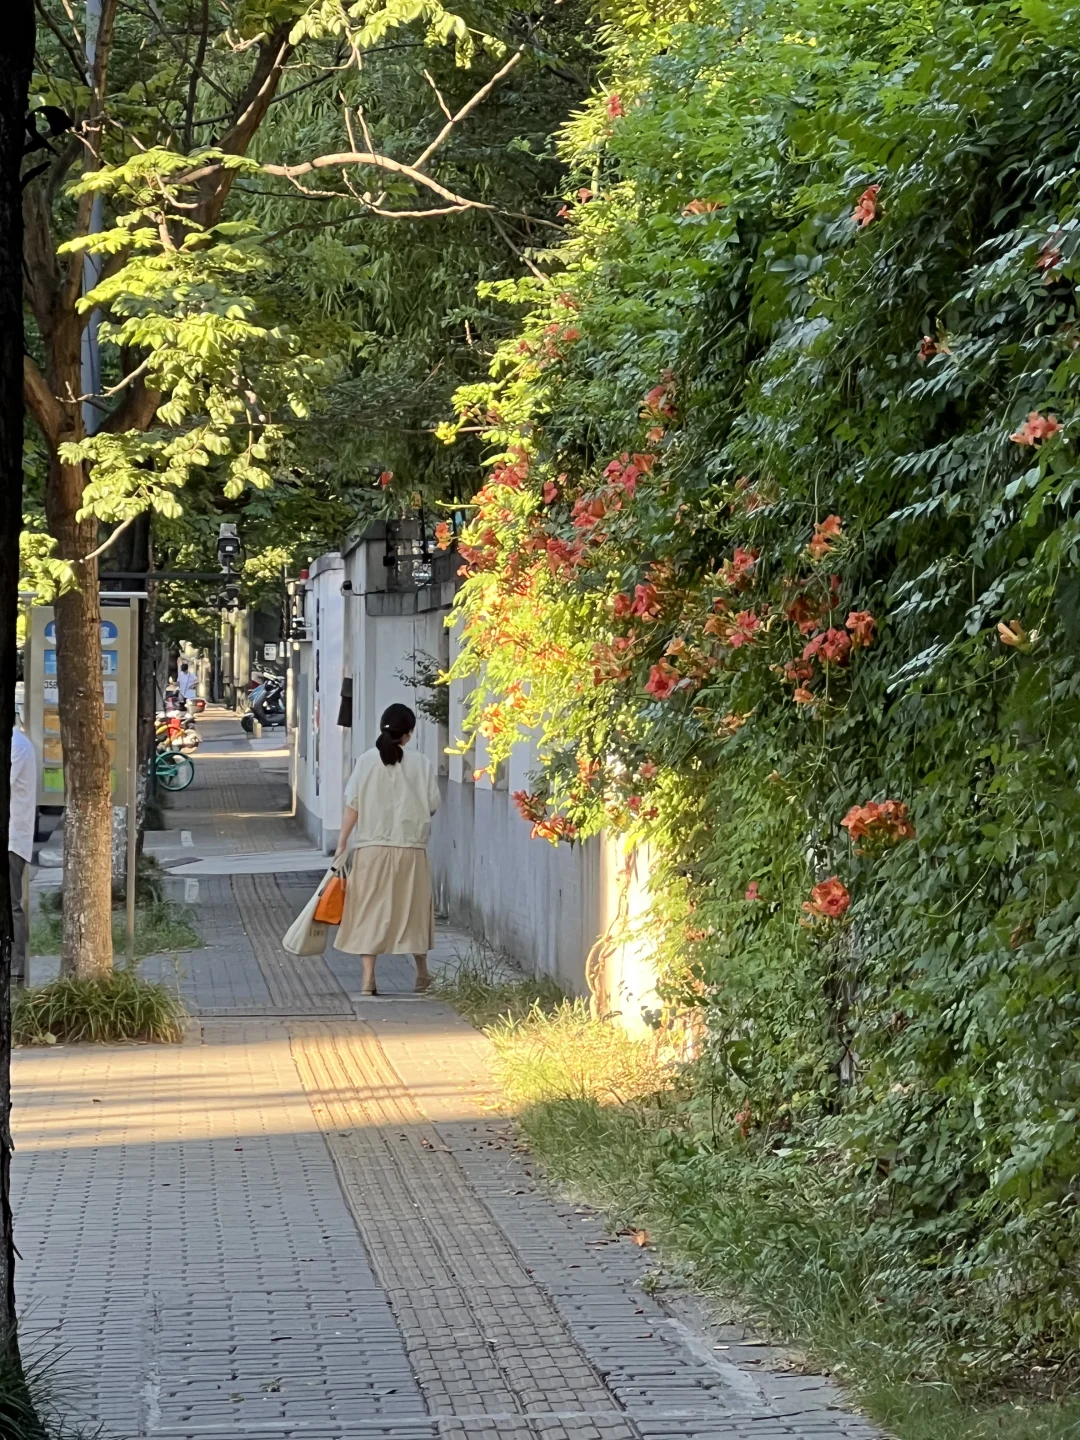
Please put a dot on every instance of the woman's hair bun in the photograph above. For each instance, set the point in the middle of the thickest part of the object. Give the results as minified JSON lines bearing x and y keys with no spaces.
{"x":397,"y":722}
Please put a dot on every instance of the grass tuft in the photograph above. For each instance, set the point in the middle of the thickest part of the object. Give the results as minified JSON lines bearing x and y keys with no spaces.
{"x":485,"y":987}
{"x":121,"y":1007}
{"x":161,"y":927}
{"x":33,"y":1404}
{"x":549,"y":1055}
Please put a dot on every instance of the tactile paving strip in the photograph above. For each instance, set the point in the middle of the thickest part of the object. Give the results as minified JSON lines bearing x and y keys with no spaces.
{"x":298,"y":985}
{"x":480,"y":1335}
{"x":672,"y":1382}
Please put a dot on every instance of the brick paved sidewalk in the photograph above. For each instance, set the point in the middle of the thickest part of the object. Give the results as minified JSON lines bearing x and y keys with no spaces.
{"x":311,"y":1221}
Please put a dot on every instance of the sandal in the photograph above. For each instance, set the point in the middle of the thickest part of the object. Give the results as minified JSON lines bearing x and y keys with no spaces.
{"x":424,"y":984}
{"x":372,"y":991}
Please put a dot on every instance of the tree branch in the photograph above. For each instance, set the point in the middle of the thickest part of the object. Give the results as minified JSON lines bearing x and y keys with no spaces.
{"x":470,"y":105}
{"x":114,"y":536}
{"x":438,"y":94}
{"x":274,"y":52}
{"x":128,"y":379}
{"x":77,"y":60}
{"x":152,"y":13}
{"x":103,"y":53}
{"x":428,"y":214}
{"x":369,"y":157}
{"x":285,"y":95}
{"x":135,"y":412}
{"x":378,"y":162}
{"x":42,"y":403}
{"x":501,"y":228}
{"x":40,"y":264}
{"x":61,"y":165}
{"x":256,"y":99}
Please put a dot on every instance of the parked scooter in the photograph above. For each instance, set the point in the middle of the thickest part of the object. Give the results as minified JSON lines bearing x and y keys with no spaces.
{"x":267,"y":705}
{"x":176,"y":731}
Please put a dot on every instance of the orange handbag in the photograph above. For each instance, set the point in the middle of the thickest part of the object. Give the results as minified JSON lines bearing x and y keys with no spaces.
{"x":331,"y":904}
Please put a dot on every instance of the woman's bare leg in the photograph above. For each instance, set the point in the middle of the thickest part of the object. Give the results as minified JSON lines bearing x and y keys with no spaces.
{"x":423,"y":974}
{"x":367,"y":985}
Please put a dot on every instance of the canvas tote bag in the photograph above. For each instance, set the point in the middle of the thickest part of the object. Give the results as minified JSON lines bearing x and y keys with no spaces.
{"x":306,"y":935}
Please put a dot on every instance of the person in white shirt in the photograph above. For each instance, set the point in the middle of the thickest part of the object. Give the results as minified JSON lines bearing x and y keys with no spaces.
{"x":187,"y":684}
{"x":22,"y":821}
{"x":390,"y":798}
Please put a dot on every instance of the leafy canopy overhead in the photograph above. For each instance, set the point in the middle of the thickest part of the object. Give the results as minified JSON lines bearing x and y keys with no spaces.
{"x":257,"y":325}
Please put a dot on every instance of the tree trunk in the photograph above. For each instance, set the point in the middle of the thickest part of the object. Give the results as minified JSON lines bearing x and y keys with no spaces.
{"x":87,"y":948}
{"x":16,"y":57}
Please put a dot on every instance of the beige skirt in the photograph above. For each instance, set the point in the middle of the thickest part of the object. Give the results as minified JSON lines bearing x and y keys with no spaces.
{"x":389,"y":908}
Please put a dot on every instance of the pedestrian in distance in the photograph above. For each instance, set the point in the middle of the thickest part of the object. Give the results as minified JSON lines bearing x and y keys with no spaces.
{"x":187,"y":684}
{"x":390,"y":798}
{"x":22,"y":821}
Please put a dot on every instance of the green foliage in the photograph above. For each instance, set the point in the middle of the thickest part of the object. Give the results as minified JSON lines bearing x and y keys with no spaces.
{"x":161,"y":927}
{"x":486,"y":989}
{"x":766,"y":1236}
{"x":270,"y":361}
{"x":432,"y":691}
{"x":119,"y":1008}
{"x":783,"y":528}
{"x":229,"y":384}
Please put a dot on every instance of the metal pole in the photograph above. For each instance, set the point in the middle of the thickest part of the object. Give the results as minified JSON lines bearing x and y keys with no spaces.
{"x":227,"y":692}
{"x":292,"y":729}
{"x":133,"y":775}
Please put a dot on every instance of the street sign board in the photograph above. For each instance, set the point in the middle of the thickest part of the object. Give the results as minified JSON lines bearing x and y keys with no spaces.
{"x":119,"y":665}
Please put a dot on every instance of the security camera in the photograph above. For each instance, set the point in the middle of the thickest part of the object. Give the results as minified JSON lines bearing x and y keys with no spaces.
{"x":228,"y":544}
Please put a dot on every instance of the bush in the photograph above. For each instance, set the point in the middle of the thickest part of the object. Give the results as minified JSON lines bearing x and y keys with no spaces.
{"x":120,"y":1007}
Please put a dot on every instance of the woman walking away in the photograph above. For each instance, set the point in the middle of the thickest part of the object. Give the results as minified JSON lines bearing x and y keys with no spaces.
{"x":389,"y":801}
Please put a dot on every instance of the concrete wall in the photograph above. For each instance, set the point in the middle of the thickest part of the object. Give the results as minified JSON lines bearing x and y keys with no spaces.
{"x":540,"y":903}
{"x":317,"y":669}
{"x":377,"y":648}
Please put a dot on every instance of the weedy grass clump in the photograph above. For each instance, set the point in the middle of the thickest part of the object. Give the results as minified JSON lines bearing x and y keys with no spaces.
{"x":119,"y":1007}
{"x":486,"y":987}
{"x":161,"y":928}
{"x":35,"y":1403}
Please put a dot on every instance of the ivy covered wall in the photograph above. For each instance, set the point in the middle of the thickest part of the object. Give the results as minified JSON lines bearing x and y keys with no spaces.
{"x":778,"y":552}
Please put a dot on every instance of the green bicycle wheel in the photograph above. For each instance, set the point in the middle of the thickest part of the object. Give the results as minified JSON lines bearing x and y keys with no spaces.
{"x":174,"y":771}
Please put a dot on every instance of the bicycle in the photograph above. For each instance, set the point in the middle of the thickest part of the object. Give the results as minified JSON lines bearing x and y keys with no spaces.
{"x":173,"y":769}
